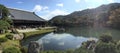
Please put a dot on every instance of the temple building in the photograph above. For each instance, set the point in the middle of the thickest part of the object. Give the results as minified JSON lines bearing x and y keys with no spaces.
{"x":25,"y":18}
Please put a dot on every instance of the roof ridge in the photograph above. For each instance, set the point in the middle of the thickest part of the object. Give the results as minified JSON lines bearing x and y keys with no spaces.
{"x":20,"y":9}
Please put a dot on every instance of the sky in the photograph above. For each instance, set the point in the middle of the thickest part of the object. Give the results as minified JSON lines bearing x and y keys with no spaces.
{"x":47,"y":9}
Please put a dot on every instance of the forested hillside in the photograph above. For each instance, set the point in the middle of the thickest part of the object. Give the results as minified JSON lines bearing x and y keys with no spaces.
{"x":104,"y":15}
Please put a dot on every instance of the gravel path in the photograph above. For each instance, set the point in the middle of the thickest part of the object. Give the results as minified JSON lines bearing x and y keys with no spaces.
{"x":26,"y":30}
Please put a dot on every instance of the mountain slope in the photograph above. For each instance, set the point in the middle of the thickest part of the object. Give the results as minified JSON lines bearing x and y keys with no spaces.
{"x":99,"y":16}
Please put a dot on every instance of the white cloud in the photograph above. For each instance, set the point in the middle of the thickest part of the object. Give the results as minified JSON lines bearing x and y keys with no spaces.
{"x":61,"y":43}
{"x":45,"y":8}
{"x":19,"y":2}
{"x":96,"y":1}
{"x":101,"y":1}
{"x":111,"y":1}
{"x":60,"y":4}
{"x":39,"y":8}
{"x":54,"y":13}
{"x":77,"y":1}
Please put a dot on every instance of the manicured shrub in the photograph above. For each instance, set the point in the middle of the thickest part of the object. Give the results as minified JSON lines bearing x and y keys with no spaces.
{"x":106,"y":38}
{"x":3,"y":40}
{"x":118,"y":46}
{"x":9,"y":36}
{"x":6,"y":31}
{"x":103,"y":47}
{"x":11,"y":50}
{"x":23,"y":49}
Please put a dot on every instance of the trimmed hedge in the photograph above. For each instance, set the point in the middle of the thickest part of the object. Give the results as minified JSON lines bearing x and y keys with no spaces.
{"x":9,"y":36}
{"x":3,"y":40}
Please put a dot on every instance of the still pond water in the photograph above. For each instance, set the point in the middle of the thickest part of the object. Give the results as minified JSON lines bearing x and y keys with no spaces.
{"x":71,"y":39}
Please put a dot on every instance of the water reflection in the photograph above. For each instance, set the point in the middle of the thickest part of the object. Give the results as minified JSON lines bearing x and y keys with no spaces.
{"x":93,"y":32}
{"x":72,"y":38}
{"x":62,"y":41}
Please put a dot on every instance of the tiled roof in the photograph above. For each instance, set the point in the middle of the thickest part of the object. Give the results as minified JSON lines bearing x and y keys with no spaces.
{"x":24,"y":15}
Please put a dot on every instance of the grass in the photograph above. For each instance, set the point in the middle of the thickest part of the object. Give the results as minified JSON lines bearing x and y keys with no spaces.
{"x":10,"y":43}
{"x":16,"y":43}
{"x":42,"y":31}
{"x":3,"y":35}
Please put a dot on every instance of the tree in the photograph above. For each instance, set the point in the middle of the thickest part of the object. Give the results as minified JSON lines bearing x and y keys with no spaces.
{"x":3,"y":26}
{"x":114,"y":18}
{"x":4,"y":20}
{"x":4,"y":13}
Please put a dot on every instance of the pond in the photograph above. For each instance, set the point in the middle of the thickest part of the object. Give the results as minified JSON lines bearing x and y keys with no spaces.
{"x":72,"y":38}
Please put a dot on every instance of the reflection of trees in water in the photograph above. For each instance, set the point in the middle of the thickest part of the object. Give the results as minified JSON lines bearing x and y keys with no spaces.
{"x":77,"y":31}
{"x":26,"y":41}
{"x":92,"y":32}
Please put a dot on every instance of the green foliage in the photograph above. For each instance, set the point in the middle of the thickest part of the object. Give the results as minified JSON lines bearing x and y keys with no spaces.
{"x":80,"y":50}
{"x":3,"y":40}
{"x":4,"y":25}
{"x":104,"y":15}
{"x":52,"y":51}
{"x":102,"y":47}
{"x":106,"y":38}
{"x":114,"y":18}
{"x":5,"y":11}
{"x":70,"y":51}
{"x":4,"y":20}
{"x":83,"y":50}
{"x":9,"y":36}
{"x":11,"y":50}
{"x":58,"y":20}
{"x":71,"y":20}
{"x":23,"y":49}
{"x":118,"y":46}
{"x":6,"y":31}
{"x":87,"y":44}
{"x":5,"y":14}
{"x":28,"y":34}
